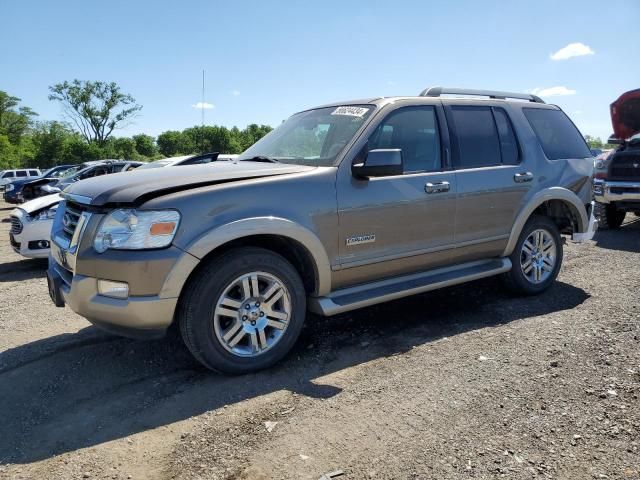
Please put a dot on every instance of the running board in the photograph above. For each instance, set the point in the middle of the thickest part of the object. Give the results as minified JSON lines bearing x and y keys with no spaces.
{"x":384,"y":290}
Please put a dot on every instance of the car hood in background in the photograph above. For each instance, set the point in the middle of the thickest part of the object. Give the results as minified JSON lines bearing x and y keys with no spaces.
{"x":40,"y":203}
{"x":137,"y":186}
{"x":625,"y":115}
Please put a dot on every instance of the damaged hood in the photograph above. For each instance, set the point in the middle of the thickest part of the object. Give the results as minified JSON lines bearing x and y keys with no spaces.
{"x":40,"y":203}
{"x":136,"y":187}
{"x":625,"y":115}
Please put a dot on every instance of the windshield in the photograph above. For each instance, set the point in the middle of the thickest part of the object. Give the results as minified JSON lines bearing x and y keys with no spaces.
{"x":67,"y":173}
{"x":313,"y":138}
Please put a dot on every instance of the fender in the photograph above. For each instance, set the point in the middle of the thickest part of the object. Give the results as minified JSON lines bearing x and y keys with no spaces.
{"x":243,"y":228}
{"x":552,"y":193}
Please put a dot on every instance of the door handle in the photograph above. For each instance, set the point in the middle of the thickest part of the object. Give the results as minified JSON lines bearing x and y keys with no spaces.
{"x":523,"y":177}
{"x":437,"y":187}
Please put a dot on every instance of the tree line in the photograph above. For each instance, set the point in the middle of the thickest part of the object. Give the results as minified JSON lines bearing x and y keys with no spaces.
{"x":92,"y":112}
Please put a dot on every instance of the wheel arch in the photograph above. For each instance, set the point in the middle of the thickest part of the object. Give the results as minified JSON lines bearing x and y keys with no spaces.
{"x":560,"y":204}
{"x":299,"y":245}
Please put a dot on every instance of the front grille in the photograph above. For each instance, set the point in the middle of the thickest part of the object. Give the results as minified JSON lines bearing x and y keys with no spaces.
{"x":70,"y":220}
{"x":625,"y":167}
{"x":16,"y":225}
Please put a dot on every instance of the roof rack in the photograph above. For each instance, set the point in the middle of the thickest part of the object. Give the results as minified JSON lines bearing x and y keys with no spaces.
{"x":438,"y":91}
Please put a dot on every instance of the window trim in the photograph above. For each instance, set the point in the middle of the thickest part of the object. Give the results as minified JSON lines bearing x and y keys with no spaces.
{"x":438,"y":122}
{"x":455,"y":146}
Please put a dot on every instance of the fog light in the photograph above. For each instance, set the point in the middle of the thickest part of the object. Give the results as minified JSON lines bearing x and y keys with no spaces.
{"x":109,"y":288}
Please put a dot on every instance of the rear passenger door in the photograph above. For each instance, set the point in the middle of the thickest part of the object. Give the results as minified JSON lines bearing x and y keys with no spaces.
{"x":491,"y":180}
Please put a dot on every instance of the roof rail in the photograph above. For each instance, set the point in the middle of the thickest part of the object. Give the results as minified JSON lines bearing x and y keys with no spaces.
{"x":438,"y":91}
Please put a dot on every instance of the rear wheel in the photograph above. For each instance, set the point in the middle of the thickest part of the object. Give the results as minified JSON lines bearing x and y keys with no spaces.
{"x":536,"y":259}
{"x":243,"y":311}
{"x":609,"y":217}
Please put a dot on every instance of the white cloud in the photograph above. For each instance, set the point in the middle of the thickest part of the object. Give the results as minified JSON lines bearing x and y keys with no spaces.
{"x":203,"y":106}
{"x":572,"y":50}
{"x":552,"y":91}
{"x":235,"y":93}
{"x":578,"y":112}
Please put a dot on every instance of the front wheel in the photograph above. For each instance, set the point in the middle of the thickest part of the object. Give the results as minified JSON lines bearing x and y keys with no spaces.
{"x":536,"y":259}
{"x":243,"y":311}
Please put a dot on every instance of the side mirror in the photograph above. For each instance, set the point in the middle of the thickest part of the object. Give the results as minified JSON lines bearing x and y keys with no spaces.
{"x":383,"y":162}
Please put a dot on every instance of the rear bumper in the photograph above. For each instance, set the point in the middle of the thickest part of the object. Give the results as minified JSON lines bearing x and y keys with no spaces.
{"x":592,"y":226}
{"x":606,"y":191}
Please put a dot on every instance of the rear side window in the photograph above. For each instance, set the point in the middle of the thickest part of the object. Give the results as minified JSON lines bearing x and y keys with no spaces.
{"x":476,"y":137}
{"x":508,"y":142}
{"x":558,"y":136}
{"x":21,"y":173}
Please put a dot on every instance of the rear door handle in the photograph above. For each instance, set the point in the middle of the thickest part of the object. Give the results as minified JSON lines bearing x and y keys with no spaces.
{"x":523,"y":177}
{"x":438,"y":187}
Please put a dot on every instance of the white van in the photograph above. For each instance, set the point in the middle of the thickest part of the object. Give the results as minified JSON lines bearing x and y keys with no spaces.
{"x":8,"y":176}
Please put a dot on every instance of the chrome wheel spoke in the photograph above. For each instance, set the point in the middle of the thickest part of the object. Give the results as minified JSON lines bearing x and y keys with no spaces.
{"x":232,"y":331}
{"x":254,"y":286}
{"x":231,"y":303}
{"x":262,"y":339}
{"x":226,"y":312}
{"x":526,"y":267}
{"x":278,"y":315}
{"x":276,"y":324}
{"x":234,"y":341}
{"x":537,"y":257}
{"x":528,"y":247}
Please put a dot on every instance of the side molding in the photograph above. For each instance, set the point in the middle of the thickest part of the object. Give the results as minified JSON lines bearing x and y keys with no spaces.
{"x":268,"y":226}
{"x":553,"y":193}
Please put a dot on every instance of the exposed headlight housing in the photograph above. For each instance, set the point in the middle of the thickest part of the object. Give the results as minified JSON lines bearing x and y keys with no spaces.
{"x":47,"y":214}
{"x":130,"y":229}
{"x":9,"y":187}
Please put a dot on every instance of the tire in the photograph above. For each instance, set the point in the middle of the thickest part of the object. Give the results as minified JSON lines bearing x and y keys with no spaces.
{"x":231,"y":327}
{"x":547,"y":263}
{"x":609,"y":217}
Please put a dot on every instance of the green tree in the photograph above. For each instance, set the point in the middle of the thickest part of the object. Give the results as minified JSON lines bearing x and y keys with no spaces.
{"x":145,"y":145}
{"x":14,"y":122}
{"x":95,"y":108}
{"x":173,"y":142}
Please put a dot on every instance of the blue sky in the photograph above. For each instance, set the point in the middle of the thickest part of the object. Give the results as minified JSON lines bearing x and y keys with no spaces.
{"x":265,"y":59}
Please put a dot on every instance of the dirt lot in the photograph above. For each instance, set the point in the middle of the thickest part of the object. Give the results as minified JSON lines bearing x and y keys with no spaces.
{"x":466,"y":382}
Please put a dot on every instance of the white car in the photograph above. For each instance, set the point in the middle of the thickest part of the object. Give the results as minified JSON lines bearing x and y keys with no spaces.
{"x":31,"y":223}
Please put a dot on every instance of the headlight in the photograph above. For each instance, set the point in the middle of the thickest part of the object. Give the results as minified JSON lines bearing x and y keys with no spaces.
{"x":9,"y":187}
{"x":130,"y":229}
{"x":47,"y":214}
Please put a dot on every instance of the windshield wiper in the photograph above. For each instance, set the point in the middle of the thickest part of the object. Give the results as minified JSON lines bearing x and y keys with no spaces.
{"x":260,"y":158}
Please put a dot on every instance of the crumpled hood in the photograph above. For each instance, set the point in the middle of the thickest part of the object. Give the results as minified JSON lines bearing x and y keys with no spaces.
{"x":135,"y":187}
{"x":40,"y":203}
{"x":625,"y":115}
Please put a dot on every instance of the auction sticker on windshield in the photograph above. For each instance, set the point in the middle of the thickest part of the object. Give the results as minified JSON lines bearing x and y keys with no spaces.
{"x":350,"y":111}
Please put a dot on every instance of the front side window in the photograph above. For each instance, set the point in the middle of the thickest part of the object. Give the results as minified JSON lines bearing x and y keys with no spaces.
{"x":476,"y":137}
{"x":414,"y":130}
{"x":313,"y":138}
{"x":557,"y":135}
{"x":8,"y":175}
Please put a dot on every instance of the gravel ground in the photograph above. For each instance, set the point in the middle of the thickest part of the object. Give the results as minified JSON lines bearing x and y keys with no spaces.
{"x":466,"y":382}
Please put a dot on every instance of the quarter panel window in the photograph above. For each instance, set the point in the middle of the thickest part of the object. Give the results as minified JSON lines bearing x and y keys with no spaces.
{"x":476,"y":137}
{"x":508,"y":142}
{"x":415,"y":131}
{"x":558,"y":136}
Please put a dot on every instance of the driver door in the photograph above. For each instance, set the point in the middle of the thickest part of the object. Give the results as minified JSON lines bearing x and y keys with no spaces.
{"x":399,"y":224}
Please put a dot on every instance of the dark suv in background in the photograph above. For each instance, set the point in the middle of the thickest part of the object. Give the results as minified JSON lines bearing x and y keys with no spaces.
{"x":616,"y":184}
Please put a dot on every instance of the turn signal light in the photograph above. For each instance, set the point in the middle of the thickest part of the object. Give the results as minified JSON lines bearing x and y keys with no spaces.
{"x":162,"y":228}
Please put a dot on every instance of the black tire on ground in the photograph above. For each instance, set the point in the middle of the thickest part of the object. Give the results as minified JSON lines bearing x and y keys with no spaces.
{"x":196,"y":309}
{"x":609,"y":217}
{"x":515,"y":280}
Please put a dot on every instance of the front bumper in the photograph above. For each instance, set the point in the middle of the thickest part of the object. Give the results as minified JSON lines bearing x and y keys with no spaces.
{"x":32,"y":233}
{"x":138,"y":317}
{"x":606,"y":191}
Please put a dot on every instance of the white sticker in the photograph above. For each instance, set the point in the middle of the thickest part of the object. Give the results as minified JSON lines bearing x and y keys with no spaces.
{"x":350,"y":111}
